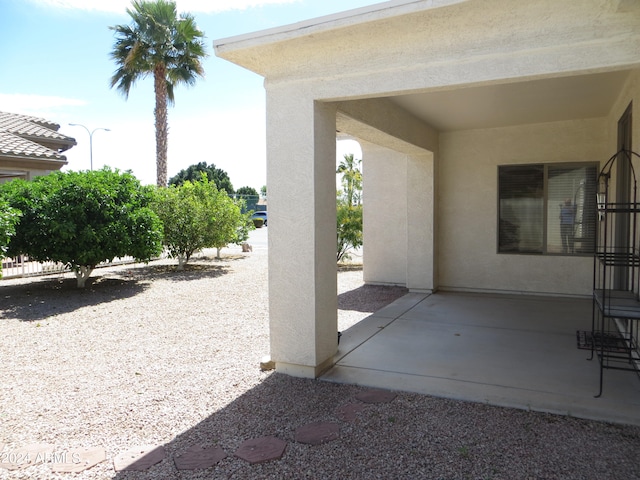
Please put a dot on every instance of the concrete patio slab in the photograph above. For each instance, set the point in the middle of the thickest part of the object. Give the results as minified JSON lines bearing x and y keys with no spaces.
{"x":507,"y":350}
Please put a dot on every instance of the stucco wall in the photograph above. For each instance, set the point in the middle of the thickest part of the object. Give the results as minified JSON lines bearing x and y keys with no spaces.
{"x":468,"y":215}
{"x":385,"y":216}
{"x":629,"y":95}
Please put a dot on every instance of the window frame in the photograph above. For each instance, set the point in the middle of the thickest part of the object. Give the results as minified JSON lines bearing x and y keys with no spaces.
{"x":545,"y":207}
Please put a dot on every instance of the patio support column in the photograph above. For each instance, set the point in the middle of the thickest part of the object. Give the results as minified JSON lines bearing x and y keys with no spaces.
{"x":384,"y":193}
{"x":399,"y":192}
{"x":301,"y":164}
{"x":422,"y":255}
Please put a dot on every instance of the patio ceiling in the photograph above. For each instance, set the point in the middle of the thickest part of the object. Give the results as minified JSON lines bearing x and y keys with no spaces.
{"x":525,"y":102}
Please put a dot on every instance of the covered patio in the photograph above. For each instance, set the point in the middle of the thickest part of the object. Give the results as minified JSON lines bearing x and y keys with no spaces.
{"x":507,"y":350}
{"x":477,"y":121}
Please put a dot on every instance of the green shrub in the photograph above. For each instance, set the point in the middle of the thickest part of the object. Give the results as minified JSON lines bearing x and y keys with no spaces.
{"x":83,"y":218}
{"x":258,"y":222}
{"x":197,"y":215}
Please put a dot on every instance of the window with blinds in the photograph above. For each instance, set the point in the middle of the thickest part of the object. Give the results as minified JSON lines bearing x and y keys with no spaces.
{"x":547,"y":208}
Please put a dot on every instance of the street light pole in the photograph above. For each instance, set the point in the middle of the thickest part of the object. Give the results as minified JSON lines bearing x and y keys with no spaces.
{"x":90,"y":132}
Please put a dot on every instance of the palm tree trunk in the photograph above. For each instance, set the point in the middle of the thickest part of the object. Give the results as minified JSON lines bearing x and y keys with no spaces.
{"x":162,"y":128}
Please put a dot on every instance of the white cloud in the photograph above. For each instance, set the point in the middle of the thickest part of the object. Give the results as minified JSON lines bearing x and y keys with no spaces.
{"x":36,"y":105}
{"x":192,"y":6}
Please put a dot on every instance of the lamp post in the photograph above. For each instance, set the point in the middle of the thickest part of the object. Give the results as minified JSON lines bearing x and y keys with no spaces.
{"x":90,"y":132}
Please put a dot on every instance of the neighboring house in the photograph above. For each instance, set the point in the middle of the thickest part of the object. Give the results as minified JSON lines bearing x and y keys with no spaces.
{"x":478,"y":120}
{"x":30,"y":146}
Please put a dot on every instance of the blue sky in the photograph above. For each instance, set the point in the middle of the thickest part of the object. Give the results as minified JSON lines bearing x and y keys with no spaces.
{"x":55,"y":64}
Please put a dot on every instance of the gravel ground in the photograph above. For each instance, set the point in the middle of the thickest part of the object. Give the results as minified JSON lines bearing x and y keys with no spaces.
{"x":148,"y":355}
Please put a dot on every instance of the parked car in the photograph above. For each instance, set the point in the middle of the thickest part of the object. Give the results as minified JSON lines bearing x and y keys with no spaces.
{"x":262,"y":215}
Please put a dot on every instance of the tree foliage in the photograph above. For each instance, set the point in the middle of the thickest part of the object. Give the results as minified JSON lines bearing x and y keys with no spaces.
{"x":197,"y":215}
{"x":231,"y":224}
{"x":83,"y":218}
{"x":8,"y":219}
{"x":349,"y":207}
{"x":349,"y":228}
{"x":160,"y":43}
{"x":250,"y":198}
{"x":247,"y":191}
{"x":351,"y":180}
{"x":193,"y":173}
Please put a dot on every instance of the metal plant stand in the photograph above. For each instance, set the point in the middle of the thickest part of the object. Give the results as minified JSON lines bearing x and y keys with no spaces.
{"x":616,"y":273}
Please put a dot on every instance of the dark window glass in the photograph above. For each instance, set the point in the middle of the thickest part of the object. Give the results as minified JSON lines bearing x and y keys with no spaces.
{"x":547,"y":208}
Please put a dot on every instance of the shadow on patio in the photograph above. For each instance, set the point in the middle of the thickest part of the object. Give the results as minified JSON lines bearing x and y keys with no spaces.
{"x":506,"y":350}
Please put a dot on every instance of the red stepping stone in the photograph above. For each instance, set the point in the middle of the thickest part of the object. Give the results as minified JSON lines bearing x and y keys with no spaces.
{"x":27,"y":456}
{"x":139,"y":458}
{"x":348,"y":412}
{"x":317,"y":433}
{"x":199,"y":457}
{"x":376,"y":396}
{"x":259,"y":450}
{"x":80,"y":459}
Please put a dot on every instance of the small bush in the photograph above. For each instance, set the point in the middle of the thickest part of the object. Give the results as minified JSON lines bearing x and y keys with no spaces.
{"x":258,"y":222}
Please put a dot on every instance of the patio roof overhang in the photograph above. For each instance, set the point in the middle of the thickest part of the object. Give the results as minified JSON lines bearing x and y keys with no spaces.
{"x":457,"y":72}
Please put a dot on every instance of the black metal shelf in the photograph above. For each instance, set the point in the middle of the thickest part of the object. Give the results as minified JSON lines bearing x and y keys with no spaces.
{"x":617,"y":304}
{"x":616,"y":277}
{"x":614,"y":259}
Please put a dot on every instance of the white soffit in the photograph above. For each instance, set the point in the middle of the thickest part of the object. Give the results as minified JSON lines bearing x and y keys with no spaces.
{"x":524,"y":102}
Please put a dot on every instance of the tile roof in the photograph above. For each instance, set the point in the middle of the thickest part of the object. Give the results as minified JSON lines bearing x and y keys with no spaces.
{"x":28,"y":137}
{"x":15,"y":146}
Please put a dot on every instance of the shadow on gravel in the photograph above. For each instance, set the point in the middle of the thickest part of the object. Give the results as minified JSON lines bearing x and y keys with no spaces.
{"x":171,"y":273}
{"x":413,"y":436}
{"x":370,"y":298}
{"x":47,"y":297}
{"x":197,"y":268}
{"x":44,"y":297}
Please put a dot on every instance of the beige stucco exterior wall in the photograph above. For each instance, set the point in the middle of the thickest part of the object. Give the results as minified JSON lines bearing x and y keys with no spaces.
{"x":399,"y":180}
{"x":384,"y":216}
{"x":411,"y":47}
{"x":302,"y":243}
{"x":10,"y":168}
{"x":630,"y":94}
{"x":469,"y":202}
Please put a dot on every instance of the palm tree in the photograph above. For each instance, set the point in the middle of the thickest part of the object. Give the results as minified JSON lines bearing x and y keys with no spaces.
{"x":351,"y":178}
{"x":171,"y":48}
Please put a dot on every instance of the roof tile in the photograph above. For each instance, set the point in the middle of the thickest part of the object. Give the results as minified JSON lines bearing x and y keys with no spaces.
{"x":26,"y":136}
